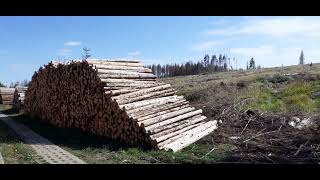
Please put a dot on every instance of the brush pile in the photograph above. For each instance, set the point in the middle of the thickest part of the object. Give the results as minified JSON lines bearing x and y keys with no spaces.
{"x":268,"y":137}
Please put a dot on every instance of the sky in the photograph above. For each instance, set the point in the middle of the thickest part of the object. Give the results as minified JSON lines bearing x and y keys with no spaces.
{"x":28,"y":42}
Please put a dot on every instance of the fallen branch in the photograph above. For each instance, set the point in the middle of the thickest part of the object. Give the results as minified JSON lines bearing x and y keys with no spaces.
{"x":246,"y":126}
{"x":300,"y":147}
{"x":209,"y":152}
{"x":235,"y":105}
{"x":258,"y":135}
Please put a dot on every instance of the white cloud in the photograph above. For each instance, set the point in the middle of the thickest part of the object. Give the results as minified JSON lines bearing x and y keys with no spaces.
{"x":285,"y":56}
{"x":205,"y":46}
{"x":64,"y":52}
{"x":312,"y":55}
{"x":273,"y":40}
{"x":269,"y":56}
{"x":73,"y":43}
{"x":231,"y":30}
{"x":150,"y":61}
{"x":256,"y":51}
{"x":135,"y":53}
{"x":220,"y":21}
{"x":276,"y":27}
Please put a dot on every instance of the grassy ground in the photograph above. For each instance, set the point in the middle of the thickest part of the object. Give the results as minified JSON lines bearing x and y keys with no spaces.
{"x":265,"y":90}
{"x":93,"y":149}
{"x":12,"y":149}
{"x":96,"y":150}
{"x":193,"y":83}
{"x":296,"y":96}
{"x":225,"y":87}
{"x":4,"y":108}
{"x":261,"y":134}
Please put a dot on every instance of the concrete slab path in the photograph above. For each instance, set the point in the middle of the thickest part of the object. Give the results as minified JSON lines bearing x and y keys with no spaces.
{"x":45,"y":149}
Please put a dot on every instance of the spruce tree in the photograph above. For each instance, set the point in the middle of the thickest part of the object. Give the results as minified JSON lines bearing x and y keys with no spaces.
{"x":301,"y":58}
{"x":252,"y":64}
{"x":86,"y":54}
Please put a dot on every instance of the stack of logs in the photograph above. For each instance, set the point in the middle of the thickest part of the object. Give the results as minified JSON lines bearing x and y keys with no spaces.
{"x":117,"y":99}
{"x":19,"y":96}
{"x":6,"y":95}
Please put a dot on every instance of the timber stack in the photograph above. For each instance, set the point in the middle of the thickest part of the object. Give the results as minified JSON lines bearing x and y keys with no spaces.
{"x":6,"y":95}
{"x":19,"y":96}
{"x":118,"y":99}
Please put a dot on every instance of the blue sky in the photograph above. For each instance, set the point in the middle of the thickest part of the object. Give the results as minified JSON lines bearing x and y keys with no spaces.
{"x":26,"y":43}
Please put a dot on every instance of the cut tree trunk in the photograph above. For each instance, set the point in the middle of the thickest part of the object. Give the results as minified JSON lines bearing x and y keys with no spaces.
{"x":117,"y":99}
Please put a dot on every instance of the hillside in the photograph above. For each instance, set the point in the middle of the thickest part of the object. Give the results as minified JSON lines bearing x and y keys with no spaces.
{"x":255,"y":109}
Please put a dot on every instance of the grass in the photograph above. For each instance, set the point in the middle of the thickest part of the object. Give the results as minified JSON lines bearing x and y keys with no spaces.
{"x":13,"y":150}
{"x":263,"y":85}
{"x":190,"y":84}
{"x":194,"y":154}
{"x":96,"y":150}
{"x":5,"y":107}
{"x":204,"y":91}
{"x":296,"y":96}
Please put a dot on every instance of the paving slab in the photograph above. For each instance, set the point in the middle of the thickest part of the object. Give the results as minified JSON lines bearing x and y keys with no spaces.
{"x":44,"y":148}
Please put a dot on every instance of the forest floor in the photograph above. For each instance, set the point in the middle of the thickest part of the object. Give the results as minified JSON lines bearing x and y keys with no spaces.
{"x":254,"y":108}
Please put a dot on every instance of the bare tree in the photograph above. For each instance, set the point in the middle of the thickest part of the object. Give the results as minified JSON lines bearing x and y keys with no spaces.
{"x":301,"y":58}
{"x":86,"y":54}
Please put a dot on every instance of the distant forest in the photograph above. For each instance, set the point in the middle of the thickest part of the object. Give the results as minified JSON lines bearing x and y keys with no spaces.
{"x":219,"y":63}
{"x":13,"y":85}
{"x":207,"y":64}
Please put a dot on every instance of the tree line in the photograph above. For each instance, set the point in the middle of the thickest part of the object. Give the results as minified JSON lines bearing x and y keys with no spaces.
{"x":17,"y":83}
{"x":214,"y":64}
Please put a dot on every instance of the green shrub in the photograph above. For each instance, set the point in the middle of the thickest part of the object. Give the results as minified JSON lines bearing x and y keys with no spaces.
{"x":264,"y":100}
{"x":260,"y":80}
{"x":300,"y":102}
{"x":278,"y":79}
{"x":293,"y":97}
{"x":297,"y":88}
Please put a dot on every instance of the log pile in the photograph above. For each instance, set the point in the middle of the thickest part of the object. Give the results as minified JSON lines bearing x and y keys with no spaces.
{"x":19,"y":96}
{"x":6,"y":95}
{"x":118,"y":99}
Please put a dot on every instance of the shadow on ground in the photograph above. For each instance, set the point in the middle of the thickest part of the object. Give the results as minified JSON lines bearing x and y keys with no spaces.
{"x":69,"y":137}
{"x":7,"y":135}
{"x":10,"y":111}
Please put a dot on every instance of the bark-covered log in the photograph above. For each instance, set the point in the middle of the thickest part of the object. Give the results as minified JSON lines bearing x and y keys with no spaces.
{"x":166,"y":116}
{"x":117,"y":99}
{"x":6,"y":95}
{"x":191,"y":136}
{"x":19,"y":96}
{"x":126,"y":68}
